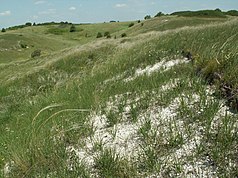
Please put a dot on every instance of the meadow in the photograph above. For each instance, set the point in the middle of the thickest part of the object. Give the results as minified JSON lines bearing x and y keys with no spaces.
{"x":134,"y":106}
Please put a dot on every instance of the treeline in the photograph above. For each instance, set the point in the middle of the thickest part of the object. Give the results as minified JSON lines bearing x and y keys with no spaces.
{"x":201,"y":13}
{"x":206,"y":13}
{"x":28,"y":24}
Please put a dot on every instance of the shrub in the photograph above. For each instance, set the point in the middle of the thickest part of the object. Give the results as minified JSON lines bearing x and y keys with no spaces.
{"x":219,"y":10}
{"x":107,"y":35}
{"x":138,"y":21}
{"x":232,"y":13}
{"x":28,"y":24}
{"x":147,"y":17}
{"x":36,"y":53}
{"x":123,"y":35}
{"x":23,"y":45}
{"x":3,"y":30}
{"x":131,"y":24}
{"x":72,"y":28}
{"x":201,"y":13}
{"x":159,"y":14}
{"x":99,"y":35}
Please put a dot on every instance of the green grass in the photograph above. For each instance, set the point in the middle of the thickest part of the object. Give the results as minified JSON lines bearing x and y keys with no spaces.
{"x":46,"y":104}
{"x":50,"y":38}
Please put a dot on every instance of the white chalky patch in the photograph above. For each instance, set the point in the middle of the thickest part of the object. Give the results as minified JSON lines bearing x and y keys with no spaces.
{"x":124,"y":139}
{"x":198,"y":169}
{"x":162,"y":65}
{"x":98,"y":121}
{"x":81,"y":154}
{"x":7,"y":168}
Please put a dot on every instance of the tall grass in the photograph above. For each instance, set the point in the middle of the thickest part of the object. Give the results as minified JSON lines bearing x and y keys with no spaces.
{"x":48,"y":110}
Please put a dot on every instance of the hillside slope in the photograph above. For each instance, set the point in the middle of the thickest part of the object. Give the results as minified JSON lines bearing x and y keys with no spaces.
{"x":125,"y":107}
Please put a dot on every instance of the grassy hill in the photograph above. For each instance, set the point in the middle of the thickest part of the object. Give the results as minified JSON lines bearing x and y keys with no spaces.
{"x":160,"y":102}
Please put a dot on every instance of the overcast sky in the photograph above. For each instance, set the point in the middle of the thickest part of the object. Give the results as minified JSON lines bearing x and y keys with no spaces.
{"x":15,"y":12}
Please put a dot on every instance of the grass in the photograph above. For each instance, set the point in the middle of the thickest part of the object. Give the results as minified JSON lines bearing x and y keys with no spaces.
{"x":47,"y":104}
{"x":110,"y":164}
{"x":50,"y":38}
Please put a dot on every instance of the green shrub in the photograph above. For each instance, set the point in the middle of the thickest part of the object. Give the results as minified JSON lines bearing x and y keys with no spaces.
{"x":123,"y":35}
{"x":232,"y":13}
{"x":201,"y":13}
{"x":147,"y":17}
{"x":107,"y":35}
{"x":36,"y":53}
{"x":99,"y":35}
{"x":72,"y":28}
{"x":159,"y":14}
{"x":23,"y":45}
{"x":131,"y":24}
{"x":3,"y":30}
{"x":28,"y":24}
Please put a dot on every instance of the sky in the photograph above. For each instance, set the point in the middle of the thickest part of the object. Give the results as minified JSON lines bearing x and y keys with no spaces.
{"x":17,"y":12}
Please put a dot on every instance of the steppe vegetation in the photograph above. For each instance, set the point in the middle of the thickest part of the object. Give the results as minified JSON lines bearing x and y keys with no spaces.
{"x":154,"y":100}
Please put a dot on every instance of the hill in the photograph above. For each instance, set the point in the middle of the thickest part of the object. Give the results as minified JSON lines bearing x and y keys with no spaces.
{"x":160,"y":102}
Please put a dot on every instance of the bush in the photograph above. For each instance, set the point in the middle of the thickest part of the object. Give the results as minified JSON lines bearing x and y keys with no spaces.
{"x":159,"y":14}
{"x":3,"y":30}
{"x":201,"y":13}
{"x":107,"y":35}
{"x":28,"y":24}
{"x":72,"y":28}
{"x":99,"y":35}
{"x":123,"y":35}
{"x":147,"y":17}
{"x":232,"y":13}
{"x":138,"y":21}
{"x":131,"y":24}
{"x":23,"y":45}
{"x":36,"y":53}
{"x":219,"y":10}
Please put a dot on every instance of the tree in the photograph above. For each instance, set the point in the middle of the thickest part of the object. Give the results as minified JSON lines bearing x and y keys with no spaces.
{"x":159,"y":14}
{"x":232,"y":13}
{"x":3,"y":30}
{"x":72,"y":28}
{"x":218,"y":10}
{"x":147,"y":17}
{"x":28,"y":24}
